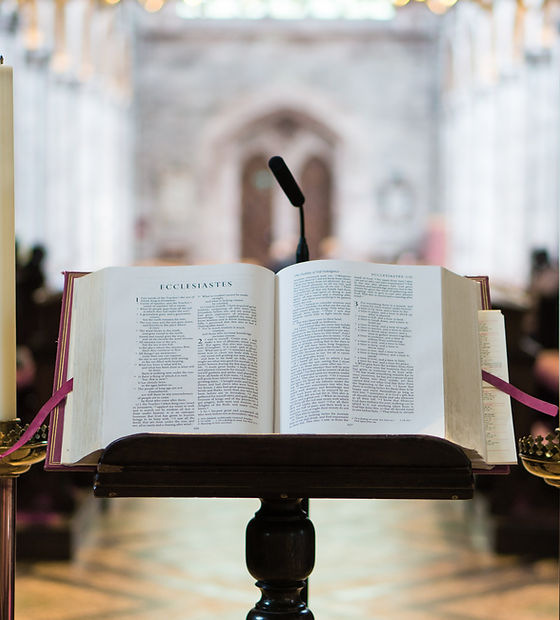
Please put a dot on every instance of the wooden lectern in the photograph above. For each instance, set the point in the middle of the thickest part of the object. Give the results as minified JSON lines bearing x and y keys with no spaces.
{"x":280,"y":470}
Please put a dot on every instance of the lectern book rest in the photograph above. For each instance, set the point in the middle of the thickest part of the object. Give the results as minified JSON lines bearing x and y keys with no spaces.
{"x":322,"y":347}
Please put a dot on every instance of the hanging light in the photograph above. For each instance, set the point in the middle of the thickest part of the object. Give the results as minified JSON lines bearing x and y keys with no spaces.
{"x":152,"y":6}
{"x":294,"y":9}
{"x":436,"y":6}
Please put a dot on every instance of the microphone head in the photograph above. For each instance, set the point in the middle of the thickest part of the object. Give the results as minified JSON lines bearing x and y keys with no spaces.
{"x":286,"y":181}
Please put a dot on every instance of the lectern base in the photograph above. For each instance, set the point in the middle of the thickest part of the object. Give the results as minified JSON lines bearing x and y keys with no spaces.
{"x":280,"y":553}
{"x":280,"y":539}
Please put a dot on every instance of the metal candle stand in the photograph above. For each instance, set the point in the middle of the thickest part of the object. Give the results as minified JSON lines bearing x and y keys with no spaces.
{"x":541,"y":456}
{"x":12,"y":466}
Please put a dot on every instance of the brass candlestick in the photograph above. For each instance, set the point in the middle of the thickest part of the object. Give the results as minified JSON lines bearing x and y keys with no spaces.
{"x":11,"y":466}
{"x":541,"y":456}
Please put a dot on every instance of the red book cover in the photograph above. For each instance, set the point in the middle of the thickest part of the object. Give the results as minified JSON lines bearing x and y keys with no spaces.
{"x":54,"y":441}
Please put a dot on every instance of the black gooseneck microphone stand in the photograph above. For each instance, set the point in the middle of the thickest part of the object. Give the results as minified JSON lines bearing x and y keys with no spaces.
{"x":287,"y":182}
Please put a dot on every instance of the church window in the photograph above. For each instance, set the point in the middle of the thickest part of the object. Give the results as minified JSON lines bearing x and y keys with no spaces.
{"x":286,"y":9}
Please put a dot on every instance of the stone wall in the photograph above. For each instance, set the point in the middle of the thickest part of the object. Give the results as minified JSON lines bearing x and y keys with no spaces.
{"x":206,"y":95}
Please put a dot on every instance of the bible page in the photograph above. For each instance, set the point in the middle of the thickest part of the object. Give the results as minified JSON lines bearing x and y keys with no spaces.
{"x":189,"y":350}
{"x":461,"y":300}
{"x":498,"y":419}
{"x":83,"y":411}
{"x":360,"y":349}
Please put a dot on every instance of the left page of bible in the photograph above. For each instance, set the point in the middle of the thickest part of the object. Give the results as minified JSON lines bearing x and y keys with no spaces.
{"x":175,"y":349}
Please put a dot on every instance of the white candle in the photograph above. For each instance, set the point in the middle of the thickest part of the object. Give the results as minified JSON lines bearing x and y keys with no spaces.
{"x":7,"y":250}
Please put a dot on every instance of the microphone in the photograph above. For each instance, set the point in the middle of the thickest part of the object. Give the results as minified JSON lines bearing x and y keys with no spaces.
{"x":294,"y":194}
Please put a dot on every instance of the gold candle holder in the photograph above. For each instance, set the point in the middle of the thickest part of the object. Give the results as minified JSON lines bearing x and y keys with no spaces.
{"x":541,"y":456}
{"x":11,"y":466}
{"x":19,"y":461}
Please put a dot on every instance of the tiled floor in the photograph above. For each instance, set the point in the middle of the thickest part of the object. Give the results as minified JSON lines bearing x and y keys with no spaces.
{"x":174,"y":559}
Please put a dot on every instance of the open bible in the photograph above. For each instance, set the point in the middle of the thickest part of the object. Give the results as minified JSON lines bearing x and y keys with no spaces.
{"x":322,"y":347}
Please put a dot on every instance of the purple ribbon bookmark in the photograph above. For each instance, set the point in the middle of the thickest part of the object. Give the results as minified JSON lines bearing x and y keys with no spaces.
{"x":518,"y":395}
{"x":41,"y":416}
{"x":515,"y":393}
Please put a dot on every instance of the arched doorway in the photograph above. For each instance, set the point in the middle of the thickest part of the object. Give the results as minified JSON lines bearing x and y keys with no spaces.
{"x":269,"y":225}
{"x":256,"y":210}
{"x":316,"y":181}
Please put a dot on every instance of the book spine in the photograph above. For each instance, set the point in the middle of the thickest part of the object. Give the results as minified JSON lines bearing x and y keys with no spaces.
{"x":484,"y":281}
{"x":54,"y":441}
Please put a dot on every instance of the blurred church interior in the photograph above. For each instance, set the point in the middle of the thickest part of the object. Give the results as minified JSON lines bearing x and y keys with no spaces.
{"x":420,"y":132}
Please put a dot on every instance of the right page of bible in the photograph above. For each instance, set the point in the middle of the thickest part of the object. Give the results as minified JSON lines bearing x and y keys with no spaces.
{"x":359,"y":349}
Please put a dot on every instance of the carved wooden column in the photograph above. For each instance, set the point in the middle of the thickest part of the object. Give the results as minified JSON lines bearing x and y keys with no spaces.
{"x":280,"y":554}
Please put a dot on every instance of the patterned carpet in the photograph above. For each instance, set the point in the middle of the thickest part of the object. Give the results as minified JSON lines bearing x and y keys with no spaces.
{"x":174,"y":559}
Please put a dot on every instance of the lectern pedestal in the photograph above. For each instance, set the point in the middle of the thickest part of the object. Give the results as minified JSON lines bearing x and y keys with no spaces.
{"x":281,"y":469}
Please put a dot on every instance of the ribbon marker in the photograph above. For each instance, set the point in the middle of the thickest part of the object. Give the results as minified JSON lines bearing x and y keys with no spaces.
{"x":44,"y":412}
{"x":518,"y":395}
{"x":55,"y":400}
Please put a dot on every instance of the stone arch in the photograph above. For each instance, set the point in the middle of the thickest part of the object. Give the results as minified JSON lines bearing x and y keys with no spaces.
{"x":298,"y":126}
{"x":307,"y":146}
